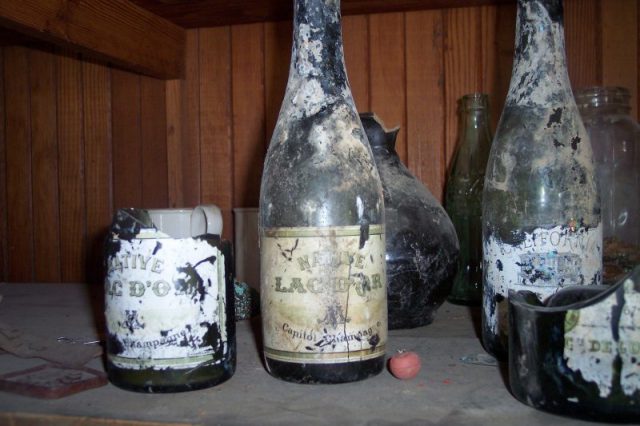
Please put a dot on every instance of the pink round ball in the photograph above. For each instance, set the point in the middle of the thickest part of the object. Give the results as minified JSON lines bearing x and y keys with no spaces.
{"x":405,"y":365}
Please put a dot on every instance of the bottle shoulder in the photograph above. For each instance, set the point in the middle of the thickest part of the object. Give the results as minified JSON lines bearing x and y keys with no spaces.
{"x":535,"y":132}
{"x":320,"y":171}
{"x":541,"y":169}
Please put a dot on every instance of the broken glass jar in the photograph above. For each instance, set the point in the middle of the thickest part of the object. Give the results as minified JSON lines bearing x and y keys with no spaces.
{"x":578,"y":353}
{"x":169,"y":307}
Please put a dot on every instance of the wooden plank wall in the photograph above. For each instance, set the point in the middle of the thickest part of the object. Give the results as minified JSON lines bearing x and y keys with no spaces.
{"x":79,"y":139}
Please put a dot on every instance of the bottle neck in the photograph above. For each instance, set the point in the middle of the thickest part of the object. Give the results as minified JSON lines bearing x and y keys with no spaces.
{"x":539,"y":76}
{"x":475,"y":136}
{"x":474,"y":120}
{"x":474,"y":117}
{"x":317,"y":42}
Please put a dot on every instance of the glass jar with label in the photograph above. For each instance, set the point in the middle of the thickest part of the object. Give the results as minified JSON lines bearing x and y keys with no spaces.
{"x":169,"y":304}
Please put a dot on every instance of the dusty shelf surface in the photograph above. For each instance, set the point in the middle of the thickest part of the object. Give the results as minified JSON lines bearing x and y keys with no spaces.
{"x":448,"y":391}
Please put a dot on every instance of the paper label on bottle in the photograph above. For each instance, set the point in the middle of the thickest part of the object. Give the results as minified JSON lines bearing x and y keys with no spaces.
{"x":165,"y":304}
{"x":545,"y":261}
{"x":629,"y":339}
{"x":324,"y":294}
{"x":589,"y":344}
{"x":597,"y":335}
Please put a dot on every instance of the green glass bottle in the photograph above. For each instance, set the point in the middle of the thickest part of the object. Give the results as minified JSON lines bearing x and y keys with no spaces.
{"x":463,"y":200}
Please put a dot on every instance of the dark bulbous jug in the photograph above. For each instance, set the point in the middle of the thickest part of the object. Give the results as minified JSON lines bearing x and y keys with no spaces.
{"x":422,"y":247}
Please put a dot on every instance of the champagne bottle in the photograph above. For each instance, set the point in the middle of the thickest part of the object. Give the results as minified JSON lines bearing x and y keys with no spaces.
{"x":541,"y":210}
{"x":169,"y":308}
{"x":323,"y":282}
{"x":464,"y":196}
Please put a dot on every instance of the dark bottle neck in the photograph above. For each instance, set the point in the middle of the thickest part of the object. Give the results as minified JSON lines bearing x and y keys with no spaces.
{"x":539,"y":76}
{"x":381,"y":139}
{"x":317,"y":43}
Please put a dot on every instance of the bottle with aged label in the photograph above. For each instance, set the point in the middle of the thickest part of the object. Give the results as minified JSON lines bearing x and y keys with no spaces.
{"x":322,"y":244}
{"x":578,"y":354}
{"x":540,"y":208}
{"x":169,"y":308}
{"x":463,"y":199}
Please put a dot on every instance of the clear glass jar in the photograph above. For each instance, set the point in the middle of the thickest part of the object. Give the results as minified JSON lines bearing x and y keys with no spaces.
{"x":614,"y":136}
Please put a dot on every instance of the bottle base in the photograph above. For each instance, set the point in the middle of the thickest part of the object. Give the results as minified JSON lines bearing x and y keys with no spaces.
{"x":168,"y":380}
{"x":496,"y":346}
{"x":325,"y":373}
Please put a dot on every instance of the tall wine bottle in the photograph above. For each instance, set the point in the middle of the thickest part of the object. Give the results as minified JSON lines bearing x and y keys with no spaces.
{"x":541,"y":210}
{"x":323,"y":282}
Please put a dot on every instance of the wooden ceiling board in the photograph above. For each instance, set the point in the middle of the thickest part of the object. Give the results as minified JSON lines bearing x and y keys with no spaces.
{"x":208,"y":13}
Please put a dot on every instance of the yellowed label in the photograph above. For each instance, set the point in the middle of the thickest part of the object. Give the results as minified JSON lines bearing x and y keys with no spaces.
{"x":324,"y":294}
{"x":598,"y":342}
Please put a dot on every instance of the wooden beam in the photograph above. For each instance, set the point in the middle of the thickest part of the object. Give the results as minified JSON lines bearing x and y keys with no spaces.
{"x":208,"y":13}
{"x":115,"y":31}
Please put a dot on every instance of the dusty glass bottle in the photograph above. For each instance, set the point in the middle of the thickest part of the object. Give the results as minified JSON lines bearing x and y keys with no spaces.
{"x":421,"y":242}
{"x":169,"y":307}
{"x":463,"y":200}
{"x":322,"y":245}
{"x":540,"y":208}
{"x":615,"y":138}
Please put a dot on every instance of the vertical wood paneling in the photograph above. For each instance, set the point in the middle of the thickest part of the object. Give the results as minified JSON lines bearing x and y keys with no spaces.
{"x":96,"y":101}
{"x":355,"y":30}
{"x":620,"y":45}
{"x":505,"y":44}
{"x":183,"y":129}
{"x":127,"y":140}
{"x":463,"y":65}
{"x":581,"y":19}
{"x":488,"y":21}
{"x":154,"y":143}
{"x":3,"y":175}
{"x":44,"y":162}
{"x":174,"y":99}
{"x":247,"y":67}
{"x":277,"y":47}
{"x":189,"y":144}
{"x":71,"y":171}
{"x":202,"y":138}
{"x":19,"y":172}
{"x":216,"y":151}
{"x":425,"y":98}
{"x":387,"y":73}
